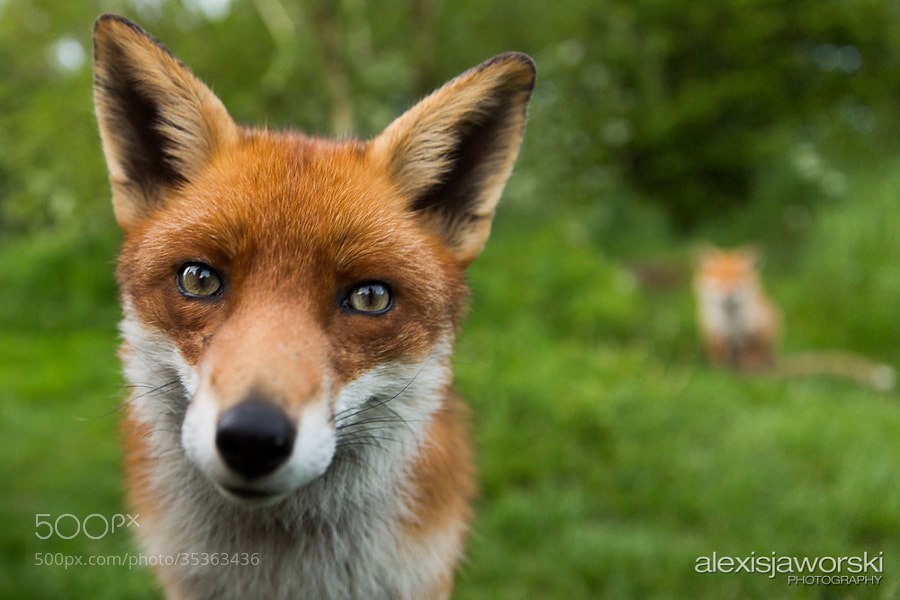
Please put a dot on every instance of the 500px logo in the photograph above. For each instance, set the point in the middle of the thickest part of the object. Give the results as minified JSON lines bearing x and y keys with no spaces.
{"x":95,"y":526}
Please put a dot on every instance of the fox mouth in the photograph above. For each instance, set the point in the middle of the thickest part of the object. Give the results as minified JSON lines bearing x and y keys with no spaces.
{"x":250,"y":496}
{"x":245,"y":492}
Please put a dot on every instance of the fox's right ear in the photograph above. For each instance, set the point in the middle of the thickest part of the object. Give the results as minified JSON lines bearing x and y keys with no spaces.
{"x":452,"y":153}
{"x":159,"y":124}
{"x":754,"y":253}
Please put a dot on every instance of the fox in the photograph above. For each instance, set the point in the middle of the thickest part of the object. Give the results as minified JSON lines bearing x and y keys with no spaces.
{"x":290,"y":305}
{"x":739,"y":323}
{"x":741,"y":326}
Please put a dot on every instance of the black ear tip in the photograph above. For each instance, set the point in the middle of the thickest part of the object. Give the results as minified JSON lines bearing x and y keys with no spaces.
{"x":108,"y":19}
{"x":519,"y":66}
{"x":520,"y":57}
{"x":528,"y":66}
{"x":108,"y":28}
{"x":107,"y":23}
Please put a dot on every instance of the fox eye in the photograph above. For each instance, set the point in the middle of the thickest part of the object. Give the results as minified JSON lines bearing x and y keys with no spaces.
{"x":196,"y":280}
{"x":369,"y":298}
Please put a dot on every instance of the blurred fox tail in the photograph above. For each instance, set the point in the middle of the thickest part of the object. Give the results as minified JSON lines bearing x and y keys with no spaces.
{"x":843,"y":365}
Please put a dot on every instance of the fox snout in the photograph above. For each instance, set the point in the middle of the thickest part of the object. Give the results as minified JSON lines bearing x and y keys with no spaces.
{"x":260,"y":422}
{"x":256,"y":450}
{"x":732,"y":303}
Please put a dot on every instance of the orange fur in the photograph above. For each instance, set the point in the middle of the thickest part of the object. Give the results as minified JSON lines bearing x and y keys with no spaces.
{"x":437,"y":469}
{"x":289,"y":224}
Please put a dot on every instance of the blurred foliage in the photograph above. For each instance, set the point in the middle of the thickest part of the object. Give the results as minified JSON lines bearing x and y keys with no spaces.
{"x":690,"y":107}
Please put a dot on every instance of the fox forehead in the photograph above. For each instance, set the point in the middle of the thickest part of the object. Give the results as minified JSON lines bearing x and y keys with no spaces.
{"x":312,"y":208}
{"x":287,"y":192}
{"x":728,"y":267}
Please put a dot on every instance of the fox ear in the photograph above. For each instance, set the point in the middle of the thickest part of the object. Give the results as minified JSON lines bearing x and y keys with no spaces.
{"x":754,"y":253}
{"x":452,"y":153}
{"x":159,"y":124}
{"x":703,"y":251}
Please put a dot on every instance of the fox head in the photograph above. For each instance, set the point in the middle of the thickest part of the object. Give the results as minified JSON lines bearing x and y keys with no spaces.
{"x":727,"y":284}
{"x":283,"y":294}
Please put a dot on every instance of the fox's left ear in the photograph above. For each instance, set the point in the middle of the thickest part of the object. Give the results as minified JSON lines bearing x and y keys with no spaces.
{"x":452,"y":153}
{"x":159,"y":124}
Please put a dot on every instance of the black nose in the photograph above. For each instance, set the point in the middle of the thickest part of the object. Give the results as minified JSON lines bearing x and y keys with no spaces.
{"x":254,"y":438}
{"x":732,"y":304}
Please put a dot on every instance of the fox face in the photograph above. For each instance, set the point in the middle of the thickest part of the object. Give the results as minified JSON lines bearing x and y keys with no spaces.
{"x":290,"y":301}
{"x":290,"y":308}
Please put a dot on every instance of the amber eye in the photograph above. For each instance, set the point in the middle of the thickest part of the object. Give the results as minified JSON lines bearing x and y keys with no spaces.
{"x":369,"y":298}
{"x":196,"y":280}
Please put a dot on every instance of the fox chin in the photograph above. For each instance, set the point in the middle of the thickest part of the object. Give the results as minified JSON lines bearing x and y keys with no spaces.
{"x":290,"y":308}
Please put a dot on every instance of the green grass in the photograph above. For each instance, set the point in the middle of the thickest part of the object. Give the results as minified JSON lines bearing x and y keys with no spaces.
{"x":610,"y":457}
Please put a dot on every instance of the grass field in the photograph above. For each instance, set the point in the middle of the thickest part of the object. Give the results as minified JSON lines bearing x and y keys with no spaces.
{"x":610,"y":457}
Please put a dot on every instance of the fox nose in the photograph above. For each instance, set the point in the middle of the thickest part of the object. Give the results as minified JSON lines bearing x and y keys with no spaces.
{"x":254,"y":438}
{"x":732,"y":304}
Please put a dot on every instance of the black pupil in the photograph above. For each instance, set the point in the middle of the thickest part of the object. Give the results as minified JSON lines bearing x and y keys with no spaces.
{"x":370,"y":297}
{"x":199,"y":280}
